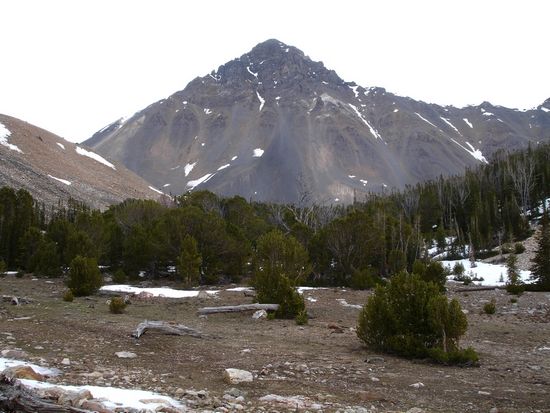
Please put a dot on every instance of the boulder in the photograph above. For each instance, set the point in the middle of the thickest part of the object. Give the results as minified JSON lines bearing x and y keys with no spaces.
{"x":236,"y":376}
{"x":22,"y":372}
{"x":126,"y":355}
{"x":259,"y":314}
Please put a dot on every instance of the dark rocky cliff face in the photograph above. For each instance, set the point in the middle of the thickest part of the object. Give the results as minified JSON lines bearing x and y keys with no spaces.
{"x":273,"y":123}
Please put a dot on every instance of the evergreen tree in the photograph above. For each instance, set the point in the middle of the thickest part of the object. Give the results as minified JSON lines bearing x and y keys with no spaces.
{"x":189,"y":261}
{"x":514,"y":284}
{"x":84,"y":276}
{"x":540,"y":268}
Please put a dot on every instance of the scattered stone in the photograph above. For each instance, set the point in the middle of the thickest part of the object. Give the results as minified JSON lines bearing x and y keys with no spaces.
{"x":22,"y":372}
{"x":417,"y":385}
{"x":291,"y":402}
{"x":236,"y":376}
{"x":66,"y":362}
{"x":259,"y":314}
{"x":234,"y":392}
{"x":484,"y":393}
{"x":415,"y":410}
{"x":94,"y":406}
{"x":202,"y":295}
{"x":374,"y":359}
{"x":14,"y":353}
{"x":126,"y":355}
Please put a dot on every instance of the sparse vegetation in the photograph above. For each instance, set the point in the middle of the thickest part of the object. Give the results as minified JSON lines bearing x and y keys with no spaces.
{"x":68,"y":296}
{"x":490,"y":307}
{"x":119,"y":277}
{"x":514,"y":284}
{"x":117,"y":305}
{"x":540,"y":268}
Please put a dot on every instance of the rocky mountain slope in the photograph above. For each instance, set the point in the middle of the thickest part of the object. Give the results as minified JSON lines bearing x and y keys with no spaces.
{"x":273,"y":125}
{"x":53,"y":169}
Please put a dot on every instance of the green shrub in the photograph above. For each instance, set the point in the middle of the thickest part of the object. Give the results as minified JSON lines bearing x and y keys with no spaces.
{"x":84,"y":276}
{"x":19,"y":274}
{"x":411,"y":318}
{"x":117,"y":305}
{"x":68,"y":296}
{"x":513,"y":300}
{"x":515,"y":289}
{"x":119,"y":277}
{"x":301,"y":318}
{"x":519,"y":248}
{"x":273,"y":287}
{"x":3,"y":267}
{"x":458,"y":269}
{"x":365,"y":279}
{"x":490,"y":307}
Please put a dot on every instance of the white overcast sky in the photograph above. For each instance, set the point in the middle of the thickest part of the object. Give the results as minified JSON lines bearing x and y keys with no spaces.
{"x":74,"y":66}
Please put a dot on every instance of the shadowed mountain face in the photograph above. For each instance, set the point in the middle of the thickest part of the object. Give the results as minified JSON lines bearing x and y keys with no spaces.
{"x":273,"y":124}
{"x":54,"y":170}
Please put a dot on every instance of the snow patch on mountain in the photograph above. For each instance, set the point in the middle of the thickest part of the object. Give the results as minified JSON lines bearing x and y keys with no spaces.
{"x":196,"y":182}
{"x":425,"y":120}
{"x":4,"y":135}
{"x":156,"y":190}
{"x":60,"y":145}
{"x":63,"y":181}
{"x":227,"y":165}
{"x":94,"y":156}
{"x":258,"y":152}
{"x":373,"y":131}
{"x":544,"y":109}
{"x":476,"y":153}
{"x":448,"y":122}
{"x":468,"y":123}
{"x":188,"y":168}
{"x":262,"y":101}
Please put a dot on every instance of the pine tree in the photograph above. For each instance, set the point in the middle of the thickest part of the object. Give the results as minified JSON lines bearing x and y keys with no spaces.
{"x":514,"y":284}
{"x":541,"y":262}
{"x":189,"y":261}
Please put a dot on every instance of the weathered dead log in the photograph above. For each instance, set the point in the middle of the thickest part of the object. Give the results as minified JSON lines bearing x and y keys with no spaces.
{"x":16,"y":300}
{"x":238,"y":308}
{"x":21,"y":400}
{"x":166,"y":328}
{"x":487,"y":288}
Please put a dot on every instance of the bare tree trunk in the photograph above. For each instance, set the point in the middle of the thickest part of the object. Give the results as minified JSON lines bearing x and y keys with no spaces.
{"x":166,"y":328}
{"x":238,"y":308}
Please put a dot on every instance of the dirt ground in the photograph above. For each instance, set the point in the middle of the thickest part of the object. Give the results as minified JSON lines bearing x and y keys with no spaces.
{"x":323,"y":361}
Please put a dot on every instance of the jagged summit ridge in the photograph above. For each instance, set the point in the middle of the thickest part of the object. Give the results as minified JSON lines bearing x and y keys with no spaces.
{"x":272,"y":122}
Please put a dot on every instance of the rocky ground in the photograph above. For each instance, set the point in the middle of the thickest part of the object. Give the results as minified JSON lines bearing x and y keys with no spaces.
{"x":321,"y":366}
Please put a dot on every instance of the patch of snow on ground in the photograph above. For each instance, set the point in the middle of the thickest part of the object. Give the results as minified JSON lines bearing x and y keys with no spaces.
{"x":302,"y":289}
{"x":489,"y":272}
{"x":113,"y":398}
{"x":262,"y":101}
{"x":207,"y":111}
{"x":188,"y":168}
{"x":4,"y":135}
{"x":156,"y":292}
{"x":227,"y":165}
{"x":544,"y":109}
{"x":448,"y":122}
{"x":258,"y":152}
{"x":45,"y":371}
{"x":311,"y":299}
{"x":488,"y":114}
{"x":351,"y":176}
{"x":468,"y":123}
{"x":373,"y":131}
{"x":364,"y":182}
{"x":60,"y":145}
{"x":343,"y":302}
{"x":240,"y":289}
{"x":424,"y":119}
{"x":63,"y":181}
{"x":165,"y":185}
{"x":156,"y":190}
{"x":395,"y":110}
{"x":94,"y":156}
{"x":235,"y":157}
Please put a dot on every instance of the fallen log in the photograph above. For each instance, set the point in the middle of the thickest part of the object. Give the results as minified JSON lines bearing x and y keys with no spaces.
{"x":238,"y":308}
{"x":18,"y":399}
{"x":489,"y":288}
{"x":166,"y":328}
{"x":16,"y":300}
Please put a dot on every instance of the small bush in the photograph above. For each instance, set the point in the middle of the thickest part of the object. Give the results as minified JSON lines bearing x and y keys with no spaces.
{"x":458,"y":269}
{"x":513,"y":300}
{"x":301,"y":318}
{"x":273,"y":287}
{"x":3,"y":267}
{"x":119,"y":277}
{"x":117,"y":305}
{"x":519,"y":248}
{"x":490,"y":307}
{"x":19,"y":274}
{"x":515,"y":289}
{"x":68,"y":296}
{"x":365,"y":279}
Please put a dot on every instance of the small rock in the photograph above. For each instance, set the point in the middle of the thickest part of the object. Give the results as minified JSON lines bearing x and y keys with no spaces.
{"x":417,"y":385}
{"x":66,"y":362}
{"x":236,"y":376}
{"x":202,"y":294}
{"x":14,"y":354}
{"x":494,"y":410}
{"x":94,"y":406}
{"x":234,"y":392}
{"x":415,"y":410}
{"x":374,"y":359}
{"x":126,"y":355}
{"x":259,"y":314}
{"x":22,"y":372}
{"x":484,"y":393}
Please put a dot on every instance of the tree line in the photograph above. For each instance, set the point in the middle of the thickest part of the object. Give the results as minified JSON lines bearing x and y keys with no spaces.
{"x":201,"y":238}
